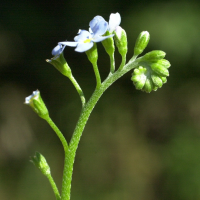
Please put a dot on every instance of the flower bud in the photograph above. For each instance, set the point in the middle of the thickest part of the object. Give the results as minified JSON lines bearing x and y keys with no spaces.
{"x":60,"y":64}
{"x":159,"y":69}
{"x":139,"y":77}
{"x":121,"y":40}
{"x":154,"y":55}
{"x":148,"y":86}
{"x":141,"y":42}
{"x":164,"y":63}
{"x":157,"y":80}
{"x":36,"y":103}
{"x":164,"y":79}
{"x":109,"y":44}
{"x":40,"y":162}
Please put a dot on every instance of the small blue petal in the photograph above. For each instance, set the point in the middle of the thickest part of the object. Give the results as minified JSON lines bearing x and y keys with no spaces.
{"x":98,"y":25}
{"x":82,"y":47}
{"x":100,"y":28}
{"x":58,"y":50}
{"x":70,"y":44}
{"x":101,"y":38}
{"x":96,"y":20}
{"x":83,"y":35}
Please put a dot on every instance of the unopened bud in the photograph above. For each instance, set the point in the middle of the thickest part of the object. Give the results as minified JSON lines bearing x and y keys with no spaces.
{"x":40,"y":162}
{"x":121,"y":40}
{"x":154,"y":55}
{"x":141,"y":42}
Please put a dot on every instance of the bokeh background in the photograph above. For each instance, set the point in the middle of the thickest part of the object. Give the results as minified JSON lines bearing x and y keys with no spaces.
{"x":136,"y":146}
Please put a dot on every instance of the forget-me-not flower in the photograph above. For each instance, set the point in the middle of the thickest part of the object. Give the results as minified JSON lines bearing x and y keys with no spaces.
{"x":85,"y":40}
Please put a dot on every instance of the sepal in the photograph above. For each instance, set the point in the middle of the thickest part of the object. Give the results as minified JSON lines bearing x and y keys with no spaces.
{"x":92,"y":54}
{"x":36,"y":103}
{"x":60,"y":64}
{"x":109,"y":44}
{"x":40,"y":162}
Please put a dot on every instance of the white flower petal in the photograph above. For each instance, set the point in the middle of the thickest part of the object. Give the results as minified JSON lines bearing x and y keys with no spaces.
{"x":114,"y":21}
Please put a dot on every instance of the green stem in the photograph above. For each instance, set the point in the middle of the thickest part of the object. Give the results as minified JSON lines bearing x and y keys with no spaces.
{"x":78,"y":88}
{"x":97,"y":74}
{"x":54,"y":187}
{"x":112,"y":63}
{"x":123,"y":62}
{"x":86,"y":111}
{"x":58,"y":132}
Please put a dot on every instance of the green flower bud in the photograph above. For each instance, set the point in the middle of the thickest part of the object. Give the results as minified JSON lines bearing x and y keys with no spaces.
{"x":36,"y":103}
{"x":154,"y":55}
{"x":159,"y":69}
{"x":60,"y":64}
{"x":139,"y":77}
{"x":92,"y":54}
{"x":109,"y":44}
{"x":40,"y":162}
{"x":164,"y":79}
{"x":148,"y":86}
{"x":157,"y":80}
{"x":121,"y":40}
{"x":164,"y":63}
{"x":141,"y":42}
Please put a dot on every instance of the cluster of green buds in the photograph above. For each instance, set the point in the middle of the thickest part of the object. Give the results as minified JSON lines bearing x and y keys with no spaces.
{"x":152,"y":69}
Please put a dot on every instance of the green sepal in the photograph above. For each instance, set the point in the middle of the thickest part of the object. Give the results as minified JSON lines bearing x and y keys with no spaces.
{"x":92,"y":54}
{"x":40,"y":162}
{"x":108,"y":44}
{"x":120,"y":38}
{"x":36,"y":103}
{"x":141,"y":42}
{"x":159,"y":69}
{"x":60,"y":64}
{"x":154,"y":55}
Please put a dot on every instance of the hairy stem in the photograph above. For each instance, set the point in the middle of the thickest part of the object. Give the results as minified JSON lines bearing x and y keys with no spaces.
{"x":86,"y":111}
{"x":58,"y":133}
{"x":78,"y":88}
{"x":54,"y":187}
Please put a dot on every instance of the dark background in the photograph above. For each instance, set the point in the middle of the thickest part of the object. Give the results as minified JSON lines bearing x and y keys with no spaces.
{"x":136,"y":146}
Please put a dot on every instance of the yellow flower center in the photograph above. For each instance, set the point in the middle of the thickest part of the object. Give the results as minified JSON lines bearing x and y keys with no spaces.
{"x":87,"y":40}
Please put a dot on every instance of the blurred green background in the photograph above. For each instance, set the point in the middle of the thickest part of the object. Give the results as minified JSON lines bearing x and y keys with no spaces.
{"x":136,"y":146}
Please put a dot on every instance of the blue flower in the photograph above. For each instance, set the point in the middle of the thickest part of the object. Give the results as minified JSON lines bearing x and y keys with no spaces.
{"x":85,"y":39}
{"x":60,"y":48}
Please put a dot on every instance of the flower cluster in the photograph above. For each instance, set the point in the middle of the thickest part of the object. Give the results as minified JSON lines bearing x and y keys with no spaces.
{"x":86,"y":39}
{"x":152,"y":72}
